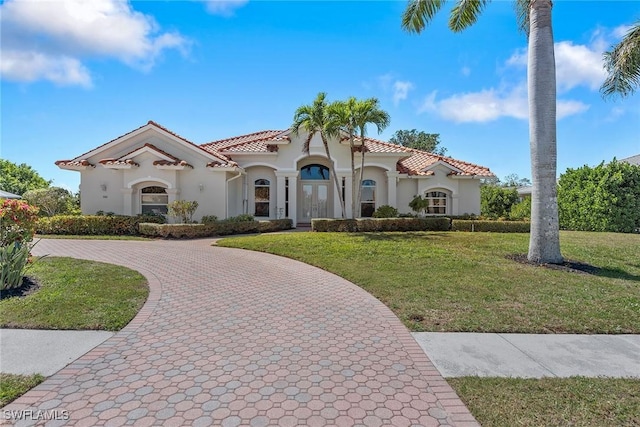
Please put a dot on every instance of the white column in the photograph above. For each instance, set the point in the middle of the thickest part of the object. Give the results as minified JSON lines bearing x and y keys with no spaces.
{"x":392,"y":183}
{"x":280,"y":195}
{"x":293,"y":198}
{"x":455,"y":205}
{"x":127,"y":195}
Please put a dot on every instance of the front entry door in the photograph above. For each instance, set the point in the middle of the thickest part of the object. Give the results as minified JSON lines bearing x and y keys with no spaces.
{"x":315,"y":198}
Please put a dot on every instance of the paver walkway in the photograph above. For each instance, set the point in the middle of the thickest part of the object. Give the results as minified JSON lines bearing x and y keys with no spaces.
{"x":231,"y":337}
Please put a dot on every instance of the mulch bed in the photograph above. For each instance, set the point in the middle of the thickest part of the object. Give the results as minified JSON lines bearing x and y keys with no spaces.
{"x":568,"y":265}
{"x":29,"y":286}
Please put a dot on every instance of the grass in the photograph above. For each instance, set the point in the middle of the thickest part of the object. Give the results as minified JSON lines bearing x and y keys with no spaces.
{"x":84,"y":237}
{"x":573,"y":401}
{"x":13,"y":386}
{"x":77,"y":294}
{"x":447,"y":281}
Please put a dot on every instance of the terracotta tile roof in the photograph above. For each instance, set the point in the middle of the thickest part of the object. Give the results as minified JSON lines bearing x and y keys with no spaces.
{"x":82,"y":162}
{"x":175,"y":163}
{"x":253,"y":142}
{"x":116,"y":162}
{"x":413,"y":164}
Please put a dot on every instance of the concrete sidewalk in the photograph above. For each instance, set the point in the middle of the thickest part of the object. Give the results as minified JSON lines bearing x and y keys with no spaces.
{"x":531,"y":355}
{"x":454,"y":354}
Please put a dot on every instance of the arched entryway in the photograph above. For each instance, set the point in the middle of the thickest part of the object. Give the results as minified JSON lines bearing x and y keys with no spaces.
{"x":315,"y":199}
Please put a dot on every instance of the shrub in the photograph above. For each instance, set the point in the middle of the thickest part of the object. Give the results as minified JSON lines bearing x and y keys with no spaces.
{"x":183,"y":209}
{"x":17,"y":221}
{"x":386,"y":211}
{"x":603,"y":198}
{"x":208,"y":219}
{"x":380,"y":224}
{"x":496,"y":202}
{"x":13,"y":262}
{"x":240,"y":218}
{"x":218,"y":228}
{"x":87,"y":225}
{"x":521,"y":210}
{"x":492,"y":226}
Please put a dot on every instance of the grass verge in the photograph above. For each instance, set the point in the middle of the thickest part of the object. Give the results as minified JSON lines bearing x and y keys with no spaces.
{"x":447,"y":281}
{"x":77,"y":294}
{"x":13,"y":386}
{"x":573,"y":401}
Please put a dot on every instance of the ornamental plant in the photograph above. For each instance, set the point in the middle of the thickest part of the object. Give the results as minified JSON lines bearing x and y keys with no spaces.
{"x":17,"y":227}
{"x":183,"y":209}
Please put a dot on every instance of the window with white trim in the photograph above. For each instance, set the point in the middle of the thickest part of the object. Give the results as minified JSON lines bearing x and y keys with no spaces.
{"x":368,"y":200}
{"x":437,"y":202}
{"x":154,"y":200}
{"x":262,"y":189}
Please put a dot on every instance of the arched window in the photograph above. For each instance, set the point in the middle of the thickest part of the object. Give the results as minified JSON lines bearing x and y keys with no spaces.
{"x":437,"y":202}
{"x":154,"y":200}
{"x":368,"y":202}
{"x":262,"y":193}
{"x":318,"y":172}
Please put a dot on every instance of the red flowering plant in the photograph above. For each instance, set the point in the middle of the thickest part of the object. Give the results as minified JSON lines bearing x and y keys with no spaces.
{"x":17,"y":227}
{"x":17,"y":221}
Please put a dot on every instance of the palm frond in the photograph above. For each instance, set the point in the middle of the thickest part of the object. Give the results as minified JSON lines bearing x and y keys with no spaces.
{"x":522,"y":15}
{"x":465,"y":13}
{"x":419,"y":13}
{"x":622,"y":63}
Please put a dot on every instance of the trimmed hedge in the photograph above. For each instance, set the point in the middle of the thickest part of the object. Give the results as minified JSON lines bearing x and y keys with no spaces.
{"x":380,"y":224}
{"x":219,"y":228}
{"x":93,"y":225}
{"x":491,"y":226}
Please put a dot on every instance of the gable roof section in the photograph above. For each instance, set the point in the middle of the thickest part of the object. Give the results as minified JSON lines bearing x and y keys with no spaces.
{"x":633,"y":160}
{"x":257,"y":142}
{"x":216,"y":159}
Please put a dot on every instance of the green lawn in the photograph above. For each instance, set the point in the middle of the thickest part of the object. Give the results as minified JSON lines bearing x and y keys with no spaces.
{"x":13,"y":386}
{"x":77,"y":294}
{"x":448,"y":281}
{"x":574,"y":401}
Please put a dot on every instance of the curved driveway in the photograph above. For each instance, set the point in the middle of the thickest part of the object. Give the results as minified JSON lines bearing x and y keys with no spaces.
{"x":231,"y":337}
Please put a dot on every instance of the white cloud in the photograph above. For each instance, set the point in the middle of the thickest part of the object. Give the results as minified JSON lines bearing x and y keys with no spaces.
{"x":621,"y":31}
{"x":400,"y":91}
{"x":65,"y":32}
{"x":491,"y":104}
{"x":225,"y":8}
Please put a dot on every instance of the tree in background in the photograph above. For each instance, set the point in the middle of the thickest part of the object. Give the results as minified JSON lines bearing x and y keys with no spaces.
{"x":52,"y":201}
{"x":513,"y":180}
{"x":419,"y":140}
{"x":603,"y":198}
{"x":18,"y":179}
{"x":534,"y":18}
{"x":622,"y":63}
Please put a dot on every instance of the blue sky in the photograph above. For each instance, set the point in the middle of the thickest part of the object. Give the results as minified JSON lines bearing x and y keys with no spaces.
{"x":77,"y":74}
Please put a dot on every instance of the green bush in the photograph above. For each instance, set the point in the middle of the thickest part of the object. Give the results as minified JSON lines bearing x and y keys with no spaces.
{"x":496,"y":202}
{"x":603,"y":198}
{"x":208,"y":219}
{"x":92,"y":225}
{"x":183,"y":210}
{"x":14,"y":258}
{"x":521,"y":210}
{"x":18,"y":221}
{"x":491,"y":226}
{"x":219,"y":228}
{"x":380,"y":224}
{"x":240,"y":218}
{"x":386,"y":211}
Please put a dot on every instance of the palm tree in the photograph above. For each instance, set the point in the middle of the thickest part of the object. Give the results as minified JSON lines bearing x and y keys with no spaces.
{"x":367,"y":112}
{"x":315,"y":118}
{"x":342,"y":119}
{"x":622,"y":63}
{"x":534,"y":18}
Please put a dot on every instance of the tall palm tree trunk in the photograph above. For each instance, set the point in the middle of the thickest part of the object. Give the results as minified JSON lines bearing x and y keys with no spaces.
{"x":332,"y":171}
{"x":544,"y":242}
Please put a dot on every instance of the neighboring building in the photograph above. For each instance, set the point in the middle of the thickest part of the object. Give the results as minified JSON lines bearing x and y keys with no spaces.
{"x":7,"y":195}
{"x":267,"y":175}
{"x":634,"y":160}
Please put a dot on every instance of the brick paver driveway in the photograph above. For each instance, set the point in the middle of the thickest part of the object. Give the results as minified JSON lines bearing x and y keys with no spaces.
{"x":231,"y":337}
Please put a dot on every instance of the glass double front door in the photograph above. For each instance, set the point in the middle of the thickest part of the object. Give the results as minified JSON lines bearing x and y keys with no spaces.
{"x":315,"y":201}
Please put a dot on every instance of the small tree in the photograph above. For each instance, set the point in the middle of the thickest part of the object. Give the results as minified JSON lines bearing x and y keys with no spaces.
{"x":17,"y":227}
{"x":183,"y":209}
{"x":51,"y":201}
{"x":18,"y":179}
{"x":418,"y":204}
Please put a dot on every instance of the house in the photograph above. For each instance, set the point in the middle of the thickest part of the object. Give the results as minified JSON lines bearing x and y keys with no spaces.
{"x":267,"y":175}
{"x":7,"y":195}
{"x":633,"y":160}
